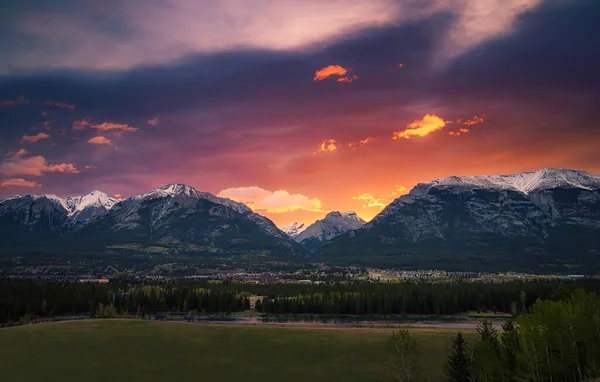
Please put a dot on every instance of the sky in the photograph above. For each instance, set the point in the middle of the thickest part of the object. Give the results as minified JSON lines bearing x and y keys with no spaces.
{"x":294,"y":107}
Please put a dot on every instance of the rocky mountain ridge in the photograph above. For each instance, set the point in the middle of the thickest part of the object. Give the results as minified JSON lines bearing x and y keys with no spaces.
{"x":538,"y":215}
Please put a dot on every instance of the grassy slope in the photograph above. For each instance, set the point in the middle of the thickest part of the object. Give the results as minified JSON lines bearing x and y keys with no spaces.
{"x":154,"y":351}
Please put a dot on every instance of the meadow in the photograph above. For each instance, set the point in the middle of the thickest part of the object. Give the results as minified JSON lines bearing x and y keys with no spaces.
{"x":130,"y":350}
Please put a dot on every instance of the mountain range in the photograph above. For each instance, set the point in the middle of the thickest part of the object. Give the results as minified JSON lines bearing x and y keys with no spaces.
{"x":173,"y":218}
{"x":550,"y":217}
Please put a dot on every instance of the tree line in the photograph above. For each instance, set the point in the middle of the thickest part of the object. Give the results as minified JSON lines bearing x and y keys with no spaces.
{"x":444,"y":298}
{"x":554,"y":341}
{"x":24,"y":300}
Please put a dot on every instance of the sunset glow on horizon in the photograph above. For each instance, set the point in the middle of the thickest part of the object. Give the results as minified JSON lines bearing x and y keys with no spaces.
{"x":339,"y":106}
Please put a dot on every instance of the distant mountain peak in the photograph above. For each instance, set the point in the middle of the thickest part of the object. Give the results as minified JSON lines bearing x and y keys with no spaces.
{"x":294,"y":228}
{"x":95,"y":199}
{"x":333,"y":224}
{"x":174,"y":189}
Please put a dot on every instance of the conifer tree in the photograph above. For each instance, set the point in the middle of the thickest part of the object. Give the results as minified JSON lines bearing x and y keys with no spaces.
{"x":459,"y":361}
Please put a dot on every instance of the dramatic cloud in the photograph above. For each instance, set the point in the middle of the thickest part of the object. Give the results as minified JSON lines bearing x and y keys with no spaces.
{"x":107,"y":126}
{"x":327,"y":145}
{"x":99,"y":140}
{"x":479,"y":21}
{"x":279,"y":201}
{"x":18,"y":182}
{"x":18,"y":164}
{"x":81,"y":124}
{"x":34,"y":138}
{"x":421,"y":128}
{"x":331,"y":70}
{"x":118,"y":197}
{"x":59,"y":104}
{"x":19,"y":101}
{"x":382,"y":200}
{"x":159,"y":32}
{"x":473,"y":121}
{"x":154,"y":121}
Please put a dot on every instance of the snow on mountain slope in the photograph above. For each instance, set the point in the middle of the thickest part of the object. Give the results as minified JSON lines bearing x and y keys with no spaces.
{"x":529,"y":184}
{"x":294,"y":228}
{"x":525,"y":182}
{"x":332,"y":225}
{"x":550,"y":212}
{"x":92,"y":205}
{"x":173,"y":189}
{"x":180,"y":217}
{"x":93,"y":199}
{"x":174,"y":215}
{"x":24,"y":218}
{"x":29,"y":209}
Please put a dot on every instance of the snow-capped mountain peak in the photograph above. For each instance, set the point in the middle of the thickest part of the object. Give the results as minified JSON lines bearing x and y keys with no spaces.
{"x":170,"y":189}
{"x":95,"y":198}
{"x":525,"y":182}
{"x":333,"y":224}
{"x":174,"y":190}
{"x":294,"y":228}
{"x":178,"y":188}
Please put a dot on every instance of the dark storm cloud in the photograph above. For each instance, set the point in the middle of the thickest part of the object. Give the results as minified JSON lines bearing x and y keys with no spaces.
{"x":553,"y":49}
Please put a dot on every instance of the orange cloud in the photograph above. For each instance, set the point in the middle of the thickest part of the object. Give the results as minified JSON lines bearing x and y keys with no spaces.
{"x":154,"y":122}
{"x":81,"y":124}
{"x":382,"y":200}
{"x":89,"y":167}
{"x":474,"y":121}
{"x":327,"y":145}
{"x":271,"y":201}
{"x":421,"y":128}
{"x":362,"y":142}
{"x":118,"y":197}
{"x":59,"y":104}
{"x":18,"y":164}
{"x":34,"y":138}
{"x":459,"y":132}
{"x":347,"y":80}
{"x":18,"y":182}
{"x":331,"y":70}
{"x":400,"y":65}
{"x":99,"y":140}
{"x":106,"y":126}
{"x":19,"y":101}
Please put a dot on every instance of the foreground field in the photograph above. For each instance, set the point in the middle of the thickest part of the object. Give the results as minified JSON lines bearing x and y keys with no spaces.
{"x":121,"y":350}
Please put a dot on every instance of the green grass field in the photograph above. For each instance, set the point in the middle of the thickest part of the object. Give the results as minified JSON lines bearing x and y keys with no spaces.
{"x":121,"y":350}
